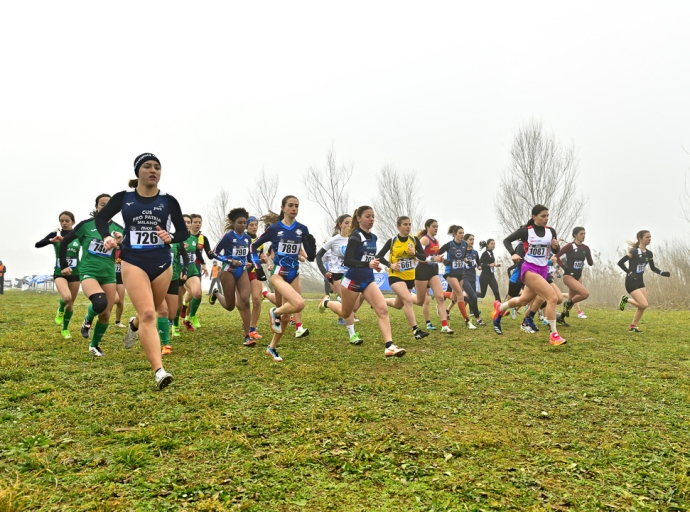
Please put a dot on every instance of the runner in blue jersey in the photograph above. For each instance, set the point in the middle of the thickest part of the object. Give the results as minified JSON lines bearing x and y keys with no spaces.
{"x":455,"y":260}
{"x":286,"y":237}
{"x":146,"y":262}
{"x":233,"y":251}
{"x":360,"y":261}
{"x":469,"y":283}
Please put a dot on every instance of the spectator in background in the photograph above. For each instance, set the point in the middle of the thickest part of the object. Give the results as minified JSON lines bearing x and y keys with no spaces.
{"x":215,"y":281}
{"x":3,"y":269}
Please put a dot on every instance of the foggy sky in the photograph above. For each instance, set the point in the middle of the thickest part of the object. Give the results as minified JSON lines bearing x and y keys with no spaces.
{"x":219,"y":91}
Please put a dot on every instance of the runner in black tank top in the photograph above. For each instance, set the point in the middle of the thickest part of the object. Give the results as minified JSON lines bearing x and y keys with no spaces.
{"x":575,"y":253}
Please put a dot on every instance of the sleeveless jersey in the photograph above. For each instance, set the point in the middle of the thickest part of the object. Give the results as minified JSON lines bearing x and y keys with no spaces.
{"x":141,"y":221}
{"x":365,"y":251}
{"x":403,"y":253}
{"x":335,"y":254}
{"x":233,"y":247}
{"x":72,"y":256}
{"x":431,"y":250}
{"x":457,"y":252}
{"x":96,"y":260}
{"x":538,"y":248}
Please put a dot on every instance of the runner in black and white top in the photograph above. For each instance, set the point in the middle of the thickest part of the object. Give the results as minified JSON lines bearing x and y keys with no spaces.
{"x":572,"y":259}
{"x":638,"y":256}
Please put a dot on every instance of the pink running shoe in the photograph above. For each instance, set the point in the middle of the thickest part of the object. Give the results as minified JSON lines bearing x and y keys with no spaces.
{"x":556,"y":339}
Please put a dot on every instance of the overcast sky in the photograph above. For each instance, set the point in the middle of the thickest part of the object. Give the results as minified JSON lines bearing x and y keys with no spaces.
{"x":221,"y":90}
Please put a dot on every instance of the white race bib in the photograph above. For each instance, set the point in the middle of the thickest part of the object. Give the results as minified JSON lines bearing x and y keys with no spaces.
{"x":72,"y":262}
{"x":97,"y":248}
{"x":578,"y":265}
{"x":406,"y":264}
{"x":118,"y":268}
{"x":457,"y":265}
{"x":538,"y":251}
{"x":288,"y":247}
{"x":145,"y":240}
{"x":367,"y":257}
{"x":641,"y":267}
{"x":240,"y":251}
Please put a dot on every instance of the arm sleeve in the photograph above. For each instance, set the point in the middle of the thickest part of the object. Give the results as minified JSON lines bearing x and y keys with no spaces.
{"x":319,"y":261}
{"x":652,"y":266}
{"x":621,"y":263}
{"x":109,"y":211}
{"x":590,"y":261}
{"x":485,"y":261}
{"x":310,"y":246}
{"x":564,"y":250}
{"x":207,"y":248}
{"x":381,"y":256}
{"x":185,"y":256}
{"x":69,"y":238}
{"x":442,"y":250}
{"x":181,"y":232}
{"x":265,"y":237}
{"x":419,"y":250}
{"x":46,"y":241}
{"x":520,"y":234}
{"x":350,"y":261}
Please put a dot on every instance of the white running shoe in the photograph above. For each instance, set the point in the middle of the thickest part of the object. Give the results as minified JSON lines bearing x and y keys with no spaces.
{"x":120,"y":325}
{"x":581,"y":315}
{"x":513,"y":313}
{"x":447,"y":330}
{"x":469,"y":324}
{"x":131,"y":336}
{"x":163,"y":378}
{"x":275,"y":321}
{"x":96,"y":351}
{"x":394,"y":351}
{"x":302,"y":332}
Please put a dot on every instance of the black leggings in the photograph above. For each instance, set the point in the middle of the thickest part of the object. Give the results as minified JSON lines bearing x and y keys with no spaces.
{"x":468,"y":286}
{"x":488,"y":280}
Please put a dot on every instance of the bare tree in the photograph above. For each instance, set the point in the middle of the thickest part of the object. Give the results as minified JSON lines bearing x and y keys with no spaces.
{"x":215,"y":215}
{"x":262,"y":199}
{"x":685,"y":199}
{"x":541,"y":171}
{"x":327,"y":187}
{"x":397,"y":196}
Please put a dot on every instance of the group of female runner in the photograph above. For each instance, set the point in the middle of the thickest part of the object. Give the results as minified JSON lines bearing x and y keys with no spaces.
{"x":156,"y":269}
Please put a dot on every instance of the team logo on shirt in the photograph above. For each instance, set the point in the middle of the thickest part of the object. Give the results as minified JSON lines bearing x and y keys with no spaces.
{"x":299,"y":232}
{"x":129,"y":204}
{"x":280,"y":233}
{"x":159,"y":208}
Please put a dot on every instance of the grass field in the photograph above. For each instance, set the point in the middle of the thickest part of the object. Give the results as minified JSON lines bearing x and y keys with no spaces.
{"x":469,"y":422}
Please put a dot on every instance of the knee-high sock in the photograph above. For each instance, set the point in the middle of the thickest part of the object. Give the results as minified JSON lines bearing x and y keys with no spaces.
{"x":463,"y":310}
{"x":62,"y":307}
{"x":66,"y":319}
{"x":98,"y":332}
{"x":195,"y":305}
{"x":176,"y":322}
{"x":164,"y":330}
{"x":91,"y":314}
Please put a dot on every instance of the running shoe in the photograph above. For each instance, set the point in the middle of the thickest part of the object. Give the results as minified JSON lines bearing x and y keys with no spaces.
{"x":275,"y":321}
{"x":469,"y":324}
{"x":166,"y":350}
{"x":355,"y":339}
{"x":59,"y":316}
{"x":249,"y":341}
{"x":96,"y":351}
{"x":322,"y":307}
{"x":212,"y":297}
{"x":273,"y":353}
{"x":356,"y":319}
{"x":163,"y":379}
{"x":497,"y":326}
{"x":635,"y":329}
{"x":183,"y":310}
{"x":255,"y":335}
{"x":120,"y":325}
{"x":544,"y":321}
{"x":556,"y":339}
{"x":394,"y":351}
{"x":481,"y":322}
{"x":131,"y":336}
{"x":419,"y":334}
{"x":496,"y":313}
{"x":446,"y":329}
{"x":527,"y":327}
{"x":292,"y":319}
{"x":66,"y":334}
{"x":302,"y":332}
{"x":530,"y":322}
{"x":195,"y":321}
{"x":188,"y":324}
{"x":623,"y":302}
{"x":85,"y":328}
{"x":341,"y":321}
{"x":430,"y":326}
{"x":560,"y":318}
{"x":581,"y":315}
{"x":513,"y":313}
{"x":176,"y":331}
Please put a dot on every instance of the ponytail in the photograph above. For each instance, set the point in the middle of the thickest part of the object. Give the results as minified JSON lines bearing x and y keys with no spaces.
{"x":270,"y":218}
{"x":484,"y":245}
{"x":639,"y":236}
{"x":424,"y":231}
{"x":454,"y":228}
{"x":100,"y":196}
{"x":338,"y":222}
{"x":536,"y":210}
{"x":576,"y":230}
{"x":133,"y":183}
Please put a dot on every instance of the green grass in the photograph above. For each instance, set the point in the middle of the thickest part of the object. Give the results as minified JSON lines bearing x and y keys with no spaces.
{"x":469,"y":422}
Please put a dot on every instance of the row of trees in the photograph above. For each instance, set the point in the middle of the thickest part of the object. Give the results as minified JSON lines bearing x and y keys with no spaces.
{"x":540,"y":170}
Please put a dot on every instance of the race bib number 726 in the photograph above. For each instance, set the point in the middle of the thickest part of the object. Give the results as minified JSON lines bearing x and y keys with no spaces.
{"x":145,"y":239}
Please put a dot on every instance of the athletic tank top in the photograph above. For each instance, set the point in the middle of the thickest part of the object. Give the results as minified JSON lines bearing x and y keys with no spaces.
{"x":456,"y":256}
{"x":538,"y":248}
{"x":365,"y":251}
{"x":141,"y":221}
{"x":403,"y":253}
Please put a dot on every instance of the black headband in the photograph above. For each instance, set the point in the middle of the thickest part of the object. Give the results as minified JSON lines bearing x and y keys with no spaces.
{"x":139,"y":161}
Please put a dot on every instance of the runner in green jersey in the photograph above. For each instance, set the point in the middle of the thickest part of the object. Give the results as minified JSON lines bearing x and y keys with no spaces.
{"x":196,"y":244}
{"x":67,"y":286}
{"x":169,"y":311}
{"x":97,"y":273}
